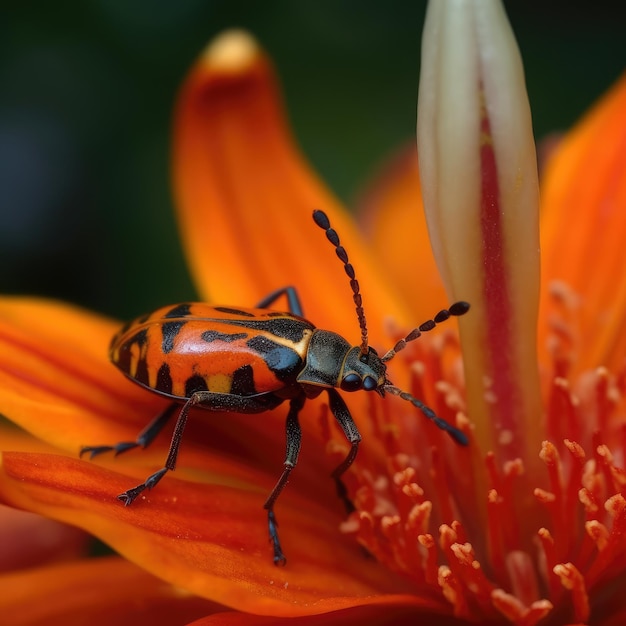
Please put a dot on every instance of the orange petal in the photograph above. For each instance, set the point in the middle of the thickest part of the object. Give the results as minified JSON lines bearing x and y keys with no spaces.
{"x":55,"y":377}
{"x":209,"y":539}
{"x":245,"y":197}
{"x":584,"y":229}
{"x":392,"y":214}
{"x":398,"y":609}
{"x":98,"y":592}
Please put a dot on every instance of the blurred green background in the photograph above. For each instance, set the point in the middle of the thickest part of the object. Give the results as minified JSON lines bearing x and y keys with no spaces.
{"x":86,"y":93}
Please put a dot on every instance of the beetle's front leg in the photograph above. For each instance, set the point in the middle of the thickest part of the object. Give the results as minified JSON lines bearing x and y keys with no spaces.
{"x":294,"y":436}
{"x":339,"y":409}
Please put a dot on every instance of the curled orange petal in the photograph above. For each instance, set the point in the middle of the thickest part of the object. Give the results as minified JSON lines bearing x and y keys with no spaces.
{"x":245,"y":197}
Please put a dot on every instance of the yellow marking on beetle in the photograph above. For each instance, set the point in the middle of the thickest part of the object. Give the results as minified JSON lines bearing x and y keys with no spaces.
{"x":300,"y":346}
{"x":220,"y":383}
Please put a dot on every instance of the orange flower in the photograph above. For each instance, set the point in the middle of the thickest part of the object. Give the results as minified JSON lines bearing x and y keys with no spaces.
{"x":526,"y":524}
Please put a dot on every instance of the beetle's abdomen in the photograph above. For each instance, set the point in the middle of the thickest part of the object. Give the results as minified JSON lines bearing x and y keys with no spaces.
{"x":178,"y":350}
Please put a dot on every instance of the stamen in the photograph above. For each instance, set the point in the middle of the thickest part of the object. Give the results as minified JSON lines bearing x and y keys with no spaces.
{"x":562,"y":339}
{"x":489,"y":569}
{"x":563,"y":403}
{"x":516,"y":612}
{"x":572,"y":579}
{"x":430,"y":561}
{"x":415,"y":526}
{"x":521,"y":573}
{"x":452,"y":591}
{"x":549,"y":553}
{"x":495,"y":524}
{"x":468,"y":572}
{"x":598,"y":533}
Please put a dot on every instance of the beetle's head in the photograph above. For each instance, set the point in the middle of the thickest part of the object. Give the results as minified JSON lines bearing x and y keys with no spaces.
{"x":363,"y":371}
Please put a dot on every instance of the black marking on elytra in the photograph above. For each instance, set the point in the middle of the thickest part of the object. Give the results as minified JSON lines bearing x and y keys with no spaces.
{"x":170,"y":330}
{"x":195,"y":383}
{"x":141,"y":373}
{"x":275,"y":314}
{"x":140,"y":337}
{"x":225,"y":309}
{"x":125,"y":351}
{"x":164,"y":379}
{"x":285,"y":362}
{"x":180,"y":310}
{"x":122,"y":360}
{"x":286,"y":328}
{"x":216,"y":335}
{"x":243,"y":381}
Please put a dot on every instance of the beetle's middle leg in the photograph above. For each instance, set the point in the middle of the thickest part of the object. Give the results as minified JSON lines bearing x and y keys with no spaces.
{"x":294,"y":436}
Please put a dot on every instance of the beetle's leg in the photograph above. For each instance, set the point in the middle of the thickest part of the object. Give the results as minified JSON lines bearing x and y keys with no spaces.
{"x":170,"y":464}
{"x":339,"y":409}
{"x":144,"y":438}
{"x":293,"y":300}
{"x":294,"y":435}
{"x":214,"y":402}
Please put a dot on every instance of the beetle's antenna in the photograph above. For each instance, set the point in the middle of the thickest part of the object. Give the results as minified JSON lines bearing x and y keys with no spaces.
{"x":321,"y":219}
{"x":458,"y":436}
{"x":458,"y":308}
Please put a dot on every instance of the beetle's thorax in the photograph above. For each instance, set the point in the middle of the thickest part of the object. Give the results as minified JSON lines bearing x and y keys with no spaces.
{"x":331,"y":361}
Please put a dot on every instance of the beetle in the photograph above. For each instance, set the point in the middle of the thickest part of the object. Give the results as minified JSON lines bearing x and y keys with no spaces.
{"x":251,"y":360}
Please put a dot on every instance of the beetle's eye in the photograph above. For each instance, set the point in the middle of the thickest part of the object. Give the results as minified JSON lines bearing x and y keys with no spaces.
{"x":369,"y":383}
{"x":351,"y":382}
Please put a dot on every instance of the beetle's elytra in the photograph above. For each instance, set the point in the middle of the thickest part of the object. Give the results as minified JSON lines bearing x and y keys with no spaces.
{"x":250,"y":360}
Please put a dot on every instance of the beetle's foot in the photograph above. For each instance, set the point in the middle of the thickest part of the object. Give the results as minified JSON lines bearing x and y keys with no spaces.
{"x":118,"y":448}
{"x":128,"y":497}
{"x":94,"y":450}
{"x":279,"y":557}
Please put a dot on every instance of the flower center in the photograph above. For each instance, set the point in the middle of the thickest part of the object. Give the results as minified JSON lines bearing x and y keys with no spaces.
{"x":419,"y":511}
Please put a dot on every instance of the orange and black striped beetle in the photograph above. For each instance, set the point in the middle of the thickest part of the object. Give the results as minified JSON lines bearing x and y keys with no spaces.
{"x":250,"y":360}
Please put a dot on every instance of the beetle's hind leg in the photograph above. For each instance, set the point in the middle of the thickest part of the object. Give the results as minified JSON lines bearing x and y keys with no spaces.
{"x":294,"y":436}
{"x":199,"y":397}
{"x":143,"y":440}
